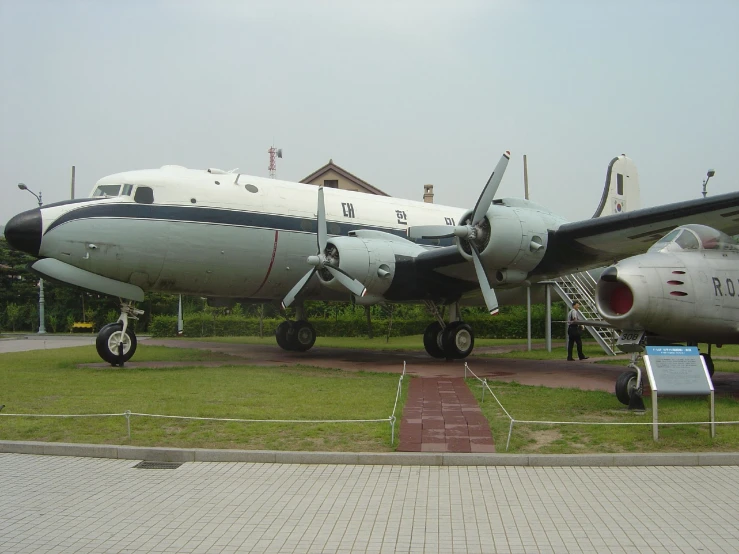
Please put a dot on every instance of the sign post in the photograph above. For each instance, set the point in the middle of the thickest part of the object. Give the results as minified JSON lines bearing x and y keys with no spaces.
{"x":678,"y":371}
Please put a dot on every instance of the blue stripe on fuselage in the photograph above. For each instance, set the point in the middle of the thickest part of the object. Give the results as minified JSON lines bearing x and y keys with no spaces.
{"x":221,"y":216}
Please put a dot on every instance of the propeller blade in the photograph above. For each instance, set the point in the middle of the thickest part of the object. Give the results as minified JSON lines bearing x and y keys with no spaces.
{"x":491,"y":301}
{"x":297,"y":289}
{"x":322,"y":232}
{"x":488,"y":193}
{"x":352,"y":284}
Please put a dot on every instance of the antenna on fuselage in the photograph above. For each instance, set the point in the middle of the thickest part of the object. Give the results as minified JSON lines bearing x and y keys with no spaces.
{"x":273,"y":154}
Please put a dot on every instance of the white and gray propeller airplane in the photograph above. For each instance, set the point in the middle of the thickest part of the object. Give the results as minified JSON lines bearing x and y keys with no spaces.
{"x":685,"y":288}
{"x":226,"y":235}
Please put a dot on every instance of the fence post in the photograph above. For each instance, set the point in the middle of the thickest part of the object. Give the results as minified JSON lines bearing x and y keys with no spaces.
{"x":392,"y":430}
{"x":128,"y":423}
{"x":510,"y":432}
{"x":484,"y":384}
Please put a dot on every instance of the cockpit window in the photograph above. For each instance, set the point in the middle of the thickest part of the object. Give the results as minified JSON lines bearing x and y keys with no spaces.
{"x":144,"y":195}
{"x":695,"y":237}
{"x":127,"y":190}
{"x":107,"y":190}
{"x":669,"y":237}
{"x":687,"y":241}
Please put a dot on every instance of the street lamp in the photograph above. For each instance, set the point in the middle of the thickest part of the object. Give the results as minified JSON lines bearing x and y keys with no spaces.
{"x":710,"y":174}
{"x":41,"y":325}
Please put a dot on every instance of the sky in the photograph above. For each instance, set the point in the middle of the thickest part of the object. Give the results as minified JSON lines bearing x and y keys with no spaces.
{"x":400,"y":93}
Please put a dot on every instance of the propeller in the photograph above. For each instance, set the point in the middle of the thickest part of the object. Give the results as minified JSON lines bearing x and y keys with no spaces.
{"x":324,"y":259}
{"x":473,"y":232}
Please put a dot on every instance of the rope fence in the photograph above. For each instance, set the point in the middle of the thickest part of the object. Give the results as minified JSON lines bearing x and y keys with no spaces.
{"x":484,"y":385}
{"x":128,"y":414}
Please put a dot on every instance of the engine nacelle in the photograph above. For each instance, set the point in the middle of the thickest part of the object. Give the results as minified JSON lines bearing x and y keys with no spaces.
{"x":369,"y":260}
{"x":512,"y":240}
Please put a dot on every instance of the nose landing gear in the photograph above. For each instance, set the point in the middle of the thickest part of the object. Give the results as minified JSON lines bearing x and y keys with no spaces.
{"x":116,"y":342}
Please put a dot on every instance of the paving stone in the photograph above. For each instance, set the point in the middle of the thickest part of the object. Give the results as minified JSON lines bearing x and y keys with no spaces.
{"x":448,"y":408}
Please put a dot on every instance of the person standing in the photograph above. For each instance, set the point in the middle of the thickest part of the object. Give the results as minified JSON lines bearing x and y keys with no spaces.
{"x":574,"y":332}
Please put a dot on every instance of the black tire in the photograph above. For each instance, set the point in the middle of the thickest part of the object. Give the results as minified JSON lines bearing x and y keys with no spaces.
{"x":281,"y":334}
{"x":457,"y":340}
{"x":302,"y":337}
{"x":432,"y":340}
{"x":108,"y":340}
{"x":626,"y":383}
{"x":709,"y":363}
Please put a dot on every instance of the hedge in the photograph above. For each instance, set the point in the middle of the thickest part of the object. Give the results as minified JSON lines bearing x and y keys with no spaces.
{"x":503,"y":326}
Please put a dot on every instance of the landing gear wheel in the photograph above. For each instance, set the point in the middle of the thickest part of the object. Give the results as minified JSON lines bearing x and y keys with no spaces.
{"x":109,"y":339}
{"x":302,"y":336}
{"x":432,"y":340}
{"x":709,"y":363}
{"x":625,"y":385}
{"x":281,"y":333}
{"x":457,"y":340}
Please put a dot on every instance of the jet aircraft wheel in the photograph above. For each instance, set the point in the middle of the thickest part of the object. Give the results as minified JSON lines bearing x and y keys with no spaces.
{"x":625,"y":384}
{"x":432,"y":340}
{"x":281,"y":334}
{"x":457,"y":340}
{"x":709,"y":363}
{"x":302,"y":336}
{"x":109,"y":339}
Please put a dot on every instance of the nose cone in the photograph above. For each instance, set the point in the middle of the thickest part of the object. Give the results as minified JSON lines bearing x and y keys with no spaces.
{"x":23,"y":232}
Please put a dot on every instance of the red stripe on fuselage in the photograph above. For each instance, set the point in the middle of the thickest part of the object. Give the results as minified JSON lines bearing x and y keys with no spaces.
{"x":271,"y":263}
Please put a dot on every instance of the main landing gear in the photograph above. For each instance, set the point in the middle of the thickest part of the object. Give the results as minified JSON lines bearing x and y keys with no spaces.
{"x":296,"y":336}
{"x":116,"y":342}
{"x":453,"y":341}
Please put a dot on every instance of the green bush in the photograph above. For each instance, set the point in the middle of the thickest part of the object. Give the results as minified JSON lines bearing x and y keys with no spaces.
{"x":503,"y":326}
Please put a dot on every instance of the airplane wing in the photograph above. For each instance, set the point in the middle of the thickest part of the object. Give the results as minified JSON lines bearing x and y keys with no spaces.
{"x":604,"y":240}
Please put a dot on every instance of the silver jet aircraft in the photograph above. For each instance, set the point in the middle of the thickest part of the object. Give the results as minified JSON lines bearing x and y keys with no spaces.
{"x":233,"y":237}
{"x":685,"y":288}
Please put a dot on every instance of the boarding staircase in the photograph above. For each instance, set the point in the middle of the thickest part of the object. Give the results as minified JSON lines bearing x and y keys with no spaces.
{"x":580,"y":287}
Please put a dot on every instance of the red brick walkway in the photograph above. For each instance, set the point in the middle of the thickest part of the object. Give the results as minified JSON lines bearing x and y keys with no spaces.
{"x":442,"y":415}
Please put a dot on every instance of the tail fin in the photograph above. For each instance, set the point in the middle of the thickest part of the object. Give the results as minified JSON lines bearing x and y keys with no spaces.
{"x":621,"y":193}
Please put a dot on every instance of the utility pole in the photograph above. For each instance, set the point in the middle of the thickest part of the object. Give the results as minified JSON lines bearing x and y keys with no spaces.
{"x":72,"y":195}
{"x":525,"y":178}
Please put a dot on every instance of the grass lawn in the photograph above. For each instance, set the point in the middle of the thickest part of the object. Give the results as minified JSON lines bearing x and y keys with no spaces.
{"x":49,"y":382}
{"x":546,"y":404}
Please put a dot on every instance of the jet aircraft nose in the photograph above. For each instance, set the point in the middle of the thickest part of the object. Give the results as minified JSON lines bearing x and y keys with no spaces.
{"x":23,"y":232}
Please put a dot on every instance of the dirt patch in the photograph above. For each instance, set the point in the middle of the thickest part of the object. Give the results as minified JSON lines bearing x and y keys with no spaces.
{"x":544,"y":438}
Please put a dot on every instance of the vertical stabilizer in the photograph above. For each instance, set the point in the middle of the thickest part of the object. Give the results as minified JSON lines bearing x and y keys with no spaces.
{"x":621,"y":193}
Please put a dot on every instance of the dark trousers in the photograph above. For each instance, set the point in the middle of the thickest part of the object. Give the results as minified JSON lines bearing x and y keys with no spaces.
{"x":573,"y":337}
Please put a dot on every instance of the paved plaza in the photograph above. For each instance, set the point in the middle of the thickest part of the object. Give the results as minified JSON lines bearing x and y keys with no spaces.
{"x":71,"y":504}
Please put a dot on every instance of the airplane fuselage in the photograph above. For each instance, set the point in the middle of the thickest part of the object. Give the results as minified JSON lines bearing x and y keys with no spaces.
{"x":231,"y":235}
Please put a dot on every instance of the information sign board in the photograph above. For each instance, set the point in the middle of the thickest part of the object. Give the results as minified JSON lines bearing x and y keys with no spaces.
{"x":677,"y":370}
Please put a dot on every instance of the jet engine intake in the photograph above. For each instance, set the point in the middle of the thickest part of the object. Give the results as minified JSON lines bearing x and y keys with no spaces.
{"x":614,"y":298}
